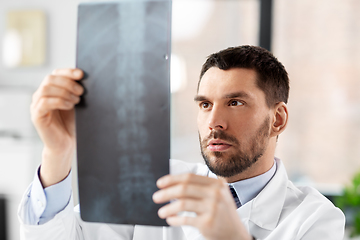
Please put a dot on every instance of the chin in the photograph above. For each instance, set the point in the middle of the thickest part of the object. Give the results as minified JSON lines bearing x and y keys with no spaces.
{"x":228,"y":165}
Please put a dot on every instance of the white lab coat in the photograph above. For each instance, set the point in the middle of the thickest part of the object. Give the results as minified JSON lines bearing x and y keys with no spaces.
{"x":281,"y":211}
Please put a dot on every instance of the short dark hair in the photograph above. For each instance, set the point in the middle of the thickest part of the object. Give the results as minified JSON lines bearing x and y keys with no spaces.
{"x":272,"y":77}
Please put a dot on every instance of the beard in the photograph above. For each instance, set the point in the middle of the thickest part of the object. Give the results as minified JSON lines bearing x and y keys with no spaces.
{"x":229,"y":166}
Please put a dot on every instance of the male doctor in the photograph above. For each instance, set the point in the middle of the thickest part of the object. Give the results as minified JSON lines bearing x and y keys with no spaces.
{"x":242,"y":192}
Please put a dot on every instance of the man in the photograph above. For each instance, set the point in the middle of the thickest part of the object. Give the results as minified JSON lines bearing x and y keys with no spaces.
{"x":242,"y":95}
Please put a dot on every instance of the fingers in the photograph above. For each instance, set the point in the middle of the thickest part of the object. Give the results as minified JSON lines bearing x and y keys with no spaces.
{"x":63,"y":82}
{"x":48,"y":104}
{"x":188,"y":212}
{"x":180,"y":205}
{"x":188,"y":178}
{"x":76,"y":74}
{"x":59,"y":91}
{"x":182,"y":220}
{"x":175,"y":215}
{"x":182,"y":190}
{"x":202,"y":202}
{"x":186,"y":186}
{"x":197,"y":194}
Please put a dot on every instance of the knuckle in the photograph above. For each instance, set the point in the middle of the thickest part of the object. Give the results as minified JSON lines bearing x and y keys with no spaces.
{"x":44,"y":89}
{"x":71,"y":85}
{"x":55,"y":71}
{"x":185,"y":221}
{"x":213,"y":207}
{"x":215,"y":194}
{"x":42,"y":103}
{"x":48,"y":79}
{"x":217,"y":191}
{"x":182,"y":204}
{"x":34,"y":96}
{"x":219,"y":183}
{"x":214,"y":191}
{"x":183,"y":188}
{"x":65,"y":93}
{"x":207,"y":223}
{"x":188,"y":177}
{"x":59,"y":102}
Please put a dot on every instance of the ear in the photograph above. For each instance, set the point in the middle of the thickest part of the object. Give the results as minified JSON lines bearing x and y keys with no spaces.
{"x":280,"y":119}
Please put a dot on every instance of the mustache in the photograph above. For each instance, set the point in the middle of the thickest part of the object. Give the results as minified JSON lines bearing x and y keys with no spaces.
{"x":221,"y":135}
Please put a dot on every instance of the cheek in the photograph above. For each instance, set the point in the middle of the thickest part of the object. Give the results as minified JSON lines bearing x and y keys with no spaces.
{"x":240,"y":122}
{"x":247,"y":129}
{"x":202,"y":125}
{"x":242,"y":129}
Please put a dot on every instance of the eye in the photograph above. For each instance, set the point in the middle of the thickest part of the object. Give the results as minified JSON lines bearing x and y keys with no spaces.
{"x":235,"y":103}
{"x":204,"y":105}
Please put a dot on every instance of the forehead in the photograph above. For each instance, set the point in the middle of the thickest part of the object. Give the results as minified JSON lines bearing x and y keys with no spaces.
{"x":216,"y":83}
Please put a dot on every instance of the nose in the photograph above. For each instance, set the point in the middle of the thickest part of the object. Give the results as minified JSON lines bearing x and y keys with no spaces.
{"x":217,"y":119}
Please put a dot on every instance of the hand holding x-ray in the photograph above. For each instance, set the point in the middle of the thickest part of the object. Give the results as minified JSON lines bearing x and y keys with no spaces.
{"x":52,"y":112}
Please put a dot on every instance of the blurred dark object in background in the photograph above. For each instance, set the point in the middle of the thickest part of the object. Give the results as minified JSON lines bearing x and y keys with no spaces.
{"x":3,"y":226}
{"x":265,"y":24}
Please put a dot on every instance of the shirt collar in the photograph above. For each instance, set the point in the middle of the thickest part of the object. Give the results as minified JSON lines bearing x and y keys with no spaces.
{"x":248,"y":189}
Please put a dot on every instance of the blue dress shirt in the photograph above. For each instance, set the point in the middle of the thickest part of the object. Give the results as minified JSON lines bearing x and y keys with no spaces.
{"x":248,"y":189}
{"x":47,"y":202}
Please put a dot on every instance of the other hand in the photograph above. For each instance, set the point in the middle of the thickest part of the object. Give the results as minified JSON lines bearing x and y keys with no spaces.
{"x":210,"y":199}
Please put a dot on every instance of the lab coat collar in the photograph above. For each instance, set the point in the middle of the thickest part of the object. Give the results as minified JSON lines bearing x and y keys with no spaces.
{"x":248,"y":189}
{"x":265,"y":209}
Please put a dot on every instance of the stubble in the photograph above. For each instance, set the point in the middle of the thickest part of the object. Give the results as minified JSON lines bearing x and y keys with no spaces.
{"x":225,"y":165}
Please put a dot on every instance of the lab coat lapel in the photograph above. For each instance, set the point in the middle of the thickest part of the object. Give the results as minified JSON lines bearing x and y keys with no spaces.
{"x":267,"y":206}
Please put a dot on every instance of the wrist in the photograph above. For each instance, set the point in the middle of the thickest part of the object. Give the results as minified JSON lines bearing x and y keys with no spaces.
{"x":55,"y":166}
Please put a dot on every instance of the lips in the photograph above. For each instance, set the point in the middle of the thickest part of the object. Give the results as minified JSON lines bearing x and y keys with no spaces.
{"x":217,"y":145}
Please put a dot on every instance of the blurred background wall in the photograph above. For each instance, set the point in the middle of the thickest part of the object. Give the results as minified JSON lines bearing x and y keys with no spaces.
{"x":317,"y":41}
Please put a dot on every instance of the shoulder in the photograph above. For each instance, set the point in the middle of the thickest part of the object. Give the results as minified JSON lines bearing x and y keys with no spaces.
{"x":302,"y":197}
{"x":308,"y":197}
{"x":315,"y":212}
{"x":179,"y":167}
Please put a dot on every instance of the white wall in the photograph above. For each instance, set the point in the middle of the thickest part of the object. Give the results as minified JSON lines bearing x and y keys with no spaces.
{"x":20,"y":157}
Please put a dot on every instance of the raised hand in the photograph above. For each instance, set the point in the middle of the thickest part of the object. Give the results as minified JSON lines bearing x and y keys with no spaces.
{"x":52,"y":113}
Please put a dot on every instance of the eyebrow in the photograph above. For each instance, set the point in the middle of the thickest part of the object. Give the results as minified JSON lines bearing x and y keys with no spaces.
{"x":241,"y":94}
{"x":199,"y":98}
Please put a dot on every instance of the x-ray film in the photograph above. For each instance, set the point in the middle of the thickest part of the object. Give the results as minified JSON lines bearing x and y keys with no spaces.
{"x":123,"y":119}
